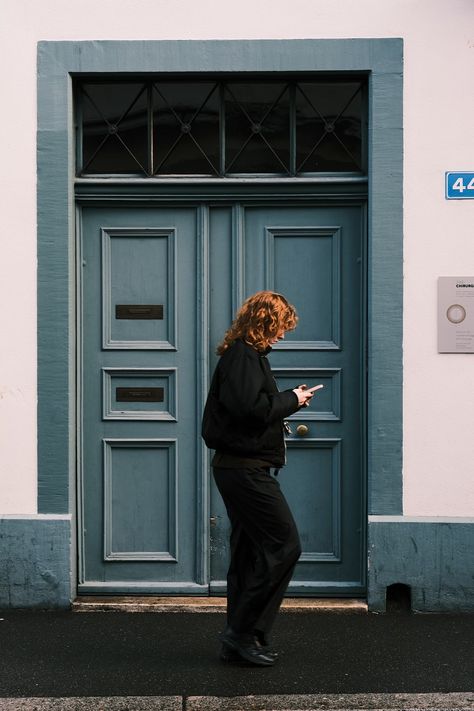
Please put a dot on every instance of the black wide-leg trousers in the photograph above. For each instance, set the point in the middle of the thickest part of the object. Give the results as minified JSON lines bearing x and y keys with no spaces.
{"x":264,"y":548}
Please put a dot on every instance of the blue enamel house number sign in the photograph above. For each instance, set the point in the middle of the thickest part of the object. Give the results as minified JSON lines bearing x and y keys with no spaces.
{"x":459,"y":186}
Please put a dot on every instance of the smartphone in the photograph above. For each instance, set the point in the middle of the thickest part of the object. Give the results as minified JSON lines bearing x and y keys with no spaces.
{"x":313,"y":389}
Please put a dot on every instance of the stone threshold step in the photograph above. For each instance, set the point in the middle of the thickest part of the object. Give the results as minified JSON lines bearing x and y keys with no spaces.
{"x":135,"y":603}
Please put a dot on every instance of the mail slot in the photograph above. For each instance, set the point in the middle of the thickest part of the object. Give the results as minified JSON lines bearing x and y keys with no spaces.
{"x":139,"y":394}
{"x":139,"y":311}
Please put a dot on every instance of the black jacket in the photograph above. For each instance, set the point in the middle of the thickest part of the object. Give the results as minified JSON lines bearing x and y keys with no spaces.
{"x":244,"y":410}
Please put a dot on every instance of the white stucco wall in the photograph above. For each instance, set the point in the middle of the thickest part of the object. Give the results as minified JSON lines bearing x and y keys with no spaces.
{"x":438,"y":235}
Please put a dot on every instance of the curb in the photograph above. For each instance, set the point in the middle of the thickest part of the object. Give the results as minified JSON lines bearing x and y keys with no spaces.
{"x":334,"y":702}
{"x":312,"y":702}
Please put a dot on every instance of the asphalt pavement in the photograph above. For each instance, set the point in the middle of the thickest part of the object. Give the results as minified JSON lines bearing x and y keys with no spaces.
{"x":53,"y":654}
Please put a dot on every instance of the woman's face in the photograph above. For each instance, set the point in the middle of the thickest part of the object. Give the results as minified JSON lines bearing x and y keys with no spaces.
{"x":279,"y":336}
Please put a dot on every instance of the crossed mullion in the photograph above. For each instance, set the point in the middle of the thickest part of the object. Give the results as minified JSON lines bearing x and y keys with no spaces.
{"x":252,"y":122}
{"x":125,"y":113}
{"x":182,"y":123}
{"x":111,"y":125}
{"x":326,"y":133}
{"x":322,"y":137}
{"x":339,"y":114}
{"x":177,"y":116}
{"x":252,"y":135}
{"x":171,"y":149}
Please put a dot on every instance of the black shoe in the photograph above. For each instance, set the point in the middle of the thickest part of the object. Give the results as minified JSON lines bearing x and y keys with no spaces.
{"x":248,"y":648}
{"x":261,"y":640}
{"x":229,"y":656}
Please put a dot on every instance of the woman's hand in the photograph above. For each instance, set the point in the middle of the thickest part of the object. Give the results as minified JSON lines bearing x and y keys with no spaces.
{"x":304,"y":395}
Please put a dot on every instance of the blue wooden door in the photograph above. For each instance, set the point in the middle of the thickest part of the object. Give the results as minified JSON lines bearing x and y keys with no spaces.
{"x":314,"y":256}
{"x":151,"y":279}
{"x":139,"y":408}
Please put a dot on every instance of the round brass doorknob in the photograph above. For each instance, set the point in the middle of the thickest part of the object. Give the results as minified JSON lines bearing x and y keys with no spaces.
{"x":302,"y":430}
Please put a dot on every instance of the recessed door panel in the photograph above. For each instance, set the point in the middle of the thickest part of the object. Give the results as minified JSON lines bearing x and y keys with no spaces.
{"x":312,"y":486}
{"x":140,"y":488}
{"x":300,"y":259}
{"x":138,"y":287}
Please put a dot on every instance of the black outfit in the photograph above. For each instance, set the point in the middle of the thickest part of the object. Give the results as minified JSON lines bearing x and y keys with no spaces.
{"x":243,"y":422}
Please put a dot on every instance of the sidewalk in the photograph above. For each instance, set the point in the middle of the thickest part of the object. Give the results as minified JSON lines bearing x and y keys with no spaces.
{"x":325,"y":659}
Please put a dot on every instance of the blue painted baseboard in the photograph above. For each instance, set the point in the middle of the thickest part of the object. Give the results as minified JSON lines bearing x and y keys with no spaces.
{"x":431,"y":555}
{"x":35,"y":561}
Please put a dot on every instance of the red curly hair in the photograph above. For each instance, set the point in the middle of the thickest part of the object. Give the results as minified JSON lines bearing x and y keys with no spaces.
{"x":259,"y":320}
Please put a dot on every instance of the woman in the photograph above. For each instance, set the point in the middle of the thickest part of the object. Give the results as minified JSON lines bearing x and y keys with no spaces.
{"x":244,"y":422}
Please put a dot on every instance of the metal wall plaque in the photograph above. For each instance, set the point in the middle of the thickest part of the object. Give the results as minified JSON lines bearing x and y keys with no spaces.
{"x":139,"y":394}
{"x":139,"y":311}
{"x":456,"y":314}
{"x":459,"y":186}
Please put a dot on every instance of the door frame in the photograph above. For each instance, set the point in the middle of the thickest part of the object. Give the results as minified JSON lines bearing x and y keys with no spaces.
{"x":58,"y":64}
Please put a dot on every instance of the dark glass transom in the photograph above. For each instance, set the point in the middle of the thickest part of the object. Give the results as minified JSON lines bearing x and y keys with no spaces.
{"x":220,"y":128}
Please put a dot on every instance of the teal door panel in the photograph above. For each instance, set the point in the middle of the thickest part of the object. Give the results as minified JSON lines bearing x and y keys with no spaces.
{"x":139,"y":424}
{"x":144,"y":523}
{"x":314,"y":256}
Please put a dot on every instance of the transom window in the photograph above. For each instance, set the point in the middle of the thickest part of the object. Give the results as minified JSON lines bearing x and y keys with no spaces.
{"x":221,"y":127}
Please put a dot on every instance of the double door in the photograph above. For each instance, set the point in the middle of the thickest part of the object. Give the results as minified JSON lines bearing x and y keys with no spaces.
{"x":159,"y":285}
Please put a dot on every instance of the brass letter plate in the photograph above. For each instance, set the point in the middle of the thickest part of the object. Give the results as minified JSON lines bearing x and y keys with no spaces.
{"x":139,"y":311}
{"x":139,"y":394}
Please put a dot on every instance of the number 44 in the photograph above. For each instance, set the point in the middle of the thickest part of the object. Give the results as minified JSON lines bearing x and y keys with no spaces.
{"x":459,"y":185}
